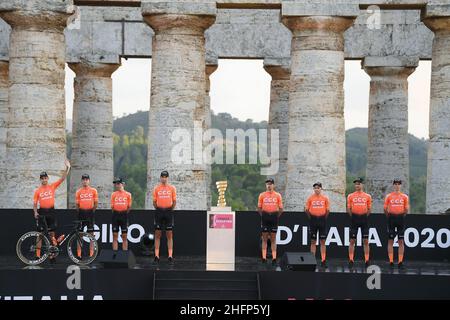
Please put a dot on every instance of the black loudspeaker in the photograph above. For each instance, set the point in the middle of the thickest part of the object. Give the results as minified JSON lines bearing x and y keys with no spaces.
{"x":298,"y":261}
{"x":117,"y":259}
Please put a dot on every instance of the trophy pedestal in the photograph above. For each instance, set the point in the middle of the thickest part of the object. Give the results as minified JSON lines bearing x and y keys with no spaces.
{"x":220,"y":239}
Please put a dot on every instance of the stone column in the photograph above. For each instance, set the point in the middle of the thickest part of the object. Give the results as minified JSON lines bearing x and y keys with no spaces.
{"x":316,"y":148}
{"x":177,"y":93}
{"x":438,"y":171}
{"x":36,"y":138}
{"x":388,"y":142}
{"x":92,"y":135}
{"x":210,"y":68}
{"x":279,"y":118}
{"x":4,"y":114}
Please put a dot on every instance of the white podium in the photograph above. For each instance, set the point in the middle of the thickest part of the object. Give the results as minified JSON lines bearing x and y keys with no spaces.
{"x":220,"y":239}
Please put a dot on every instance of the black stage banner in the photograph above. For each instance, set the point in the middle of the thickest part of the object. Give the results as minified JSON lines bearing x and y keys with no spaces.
{"x":427,"y":237}
{"x":137,"y":284}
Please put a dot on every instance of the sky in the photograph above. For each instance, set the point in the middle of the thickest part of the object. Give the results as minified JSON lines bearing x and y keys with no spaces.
{"x":242,"y":88}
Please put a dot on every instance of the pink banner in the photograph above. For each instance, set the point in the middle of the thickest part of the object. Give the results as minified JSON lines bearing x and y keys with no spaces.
{"x":221,"y":221}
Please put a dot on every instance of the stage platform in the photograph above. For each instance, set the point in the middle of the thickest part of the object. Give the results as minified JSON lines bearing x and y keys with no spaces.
{"x":188,"y":278}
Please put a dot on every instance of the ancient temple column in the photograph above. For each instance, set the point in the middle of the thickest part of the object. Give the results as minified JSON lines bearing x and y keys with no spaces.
{"x":388,"y":144}
{"x":438,"y":171}
{"x":279,"y":118}
{"x":316,"y":147}
{"x":4,"y":114}
{"x":36,"y":131}
{"x":177,"y":91}
{"x":210,"y":68}
{"x":92,"y":135}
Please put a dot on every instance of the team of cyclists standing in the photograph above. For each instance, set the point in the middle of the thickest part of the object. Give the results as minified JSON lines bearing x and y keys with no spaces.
{"x":270,"y":208}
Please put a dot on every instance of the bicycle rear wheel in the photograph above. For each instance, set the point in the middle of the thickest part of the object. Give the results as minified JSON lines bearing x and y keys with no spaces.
{"x":82,"y":248}
{"x":33,"y":248}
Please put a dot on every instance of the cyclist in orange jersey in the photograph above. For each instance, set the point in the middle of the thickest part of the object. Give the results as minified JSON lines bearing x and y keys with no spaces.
{"x":270,"y":208}
{"x":164,"y":201}
{"x":318,"y":208}
{"x":396,"y":207}
{"x":44,"y":206}
{"x":86,"y":200}
{"x":359,"y":206}
{"x":121,"y":202}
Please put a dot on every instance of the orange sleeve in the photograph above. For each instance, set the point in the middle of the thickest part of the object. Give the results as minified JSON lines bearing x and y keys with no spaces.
{"x":131,"y":200}
{"x":95,"y":195}
{"x":280,"y":201}
{"x":349,"y":201}
{"x":154,"y":194}
{"x":308,"y":203}
{"x":112,"y":200}
{"x":260,"y":200}
{"x":77,"y":197}
{"x":386,"y":202}
{"x":56,"y":184}
{"x":36,"y":197}
{"x":406,"y":202}
{"x":328,"y":203}
{"x":174,"y":193}
{"x":369,"y":202}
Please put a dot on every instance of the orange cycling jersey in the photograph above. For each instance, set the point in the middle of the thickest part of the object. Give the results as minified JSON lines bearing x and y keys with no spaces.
{"x":359,"y":203}
{"x":396,"y":203}
{"x":318,"y":205}
{"x":121,"y":201}
{"x":85,"y":198}
{"x":164,"y":195}
{"x":270,"y":201}
{"x":45,"y":195}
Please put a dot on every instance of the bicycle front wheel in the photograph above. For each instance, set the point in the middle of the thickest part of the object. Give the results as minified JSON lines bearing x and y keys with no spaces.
{"x":33,"y":248}
{"x":82,"y":248}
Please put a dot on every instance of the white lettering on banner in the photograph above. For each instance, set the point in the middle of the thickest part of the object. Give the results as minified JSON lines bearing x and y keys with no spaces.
{"x":374,"y":238}
{"x":333,"y":237}
{"x":412,"y":237}
{"x":288,"y":238}
{"x":434,"y":239}
{"x":416,"y":237}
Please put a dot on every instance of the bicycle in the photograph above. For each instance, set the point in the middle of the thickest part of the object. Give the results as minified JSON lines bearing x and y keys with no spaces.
{"x":30,"y":242}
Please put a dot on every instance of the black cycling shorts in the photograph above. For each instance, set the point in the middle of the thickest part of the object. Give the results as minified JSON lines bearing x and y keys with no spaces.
{"x":359,"y":221}
{"x":318,"y":224}
{"x":120,"y":219}
{"x":87,"y":216}
{"x":164,"y":218}
{"x":269,"y":222}
{"x":47,"y":217}
{"x":396,"y":226}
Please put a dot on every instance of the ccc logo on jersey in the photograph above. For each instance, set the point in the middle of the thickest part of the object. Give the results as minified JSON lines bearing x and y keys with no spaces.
{"x":86,"y":196}
{"x":359,"y":200}
{"x":270,"y":200}
{"x":46,"y":194}
{"x":318,"y":203}
{"x":397,"y":201}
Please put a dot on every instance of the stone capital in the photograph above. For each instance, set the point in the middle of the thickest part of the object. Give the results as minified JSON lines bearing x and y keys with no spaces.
{"x":94,"y":69}
{"x":389,"y":66}
{"x":278,"y":72}
{"x":318,"y":23}
{"x":195,"y":16}
{"x":37,"y":14}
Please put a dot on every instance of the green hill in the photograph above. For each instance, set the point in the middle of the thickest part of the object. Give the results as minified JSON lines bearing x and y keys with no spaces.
{"x":245,"y":181}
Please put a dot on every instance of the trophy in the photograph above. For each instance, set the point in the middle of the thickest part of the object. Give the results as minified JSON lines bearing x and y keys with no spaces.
{"x":221,"y":188}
